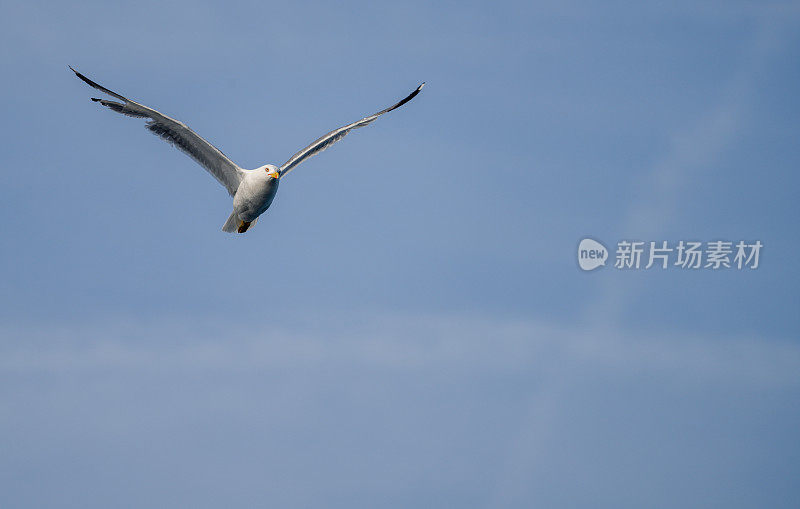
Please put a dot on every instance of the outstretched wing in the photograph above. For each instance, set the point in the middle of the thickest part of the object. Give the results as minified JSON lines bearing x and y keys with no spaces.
{"x":337,"y":134}
{"x":178,"y":134}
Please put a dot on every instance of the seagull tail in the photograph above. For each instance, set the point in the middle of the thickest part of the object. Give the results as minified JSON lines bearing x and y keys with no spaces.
{"x":236,"y":225}
{"x":232,"y":224}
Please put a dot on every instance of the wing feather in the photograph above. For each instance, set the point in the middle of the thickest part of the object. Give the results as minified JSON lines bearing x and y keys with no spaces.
{"x":177,"y":134}
{"x":332,"y":137}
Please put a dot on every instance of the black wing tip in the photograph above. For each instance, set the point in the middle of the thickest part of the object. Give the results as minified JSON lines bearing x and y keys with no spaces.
{"x":408,"y":98}
{"x":82,"y":77}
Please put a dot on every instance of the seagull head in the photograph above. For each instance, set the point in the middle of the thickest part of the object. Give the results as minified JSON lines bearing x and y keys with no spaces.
{"x":272,"y":171}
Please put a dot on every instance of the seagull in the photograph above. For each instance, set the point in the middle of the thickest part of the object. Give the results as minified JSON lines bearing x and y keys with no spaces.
{"x":252,"y":190}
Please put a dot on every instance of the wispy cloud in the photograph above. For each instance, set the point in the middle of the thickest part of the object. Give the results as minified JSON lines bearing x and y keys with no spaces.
{"x":392,"y":342}
{"x":693,"y":151}
{"x":476,"y":407}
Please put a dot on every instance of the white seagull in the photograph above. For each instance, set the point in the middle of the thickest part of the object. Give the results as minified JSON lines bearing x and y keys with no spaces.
{"x":252,"y":190}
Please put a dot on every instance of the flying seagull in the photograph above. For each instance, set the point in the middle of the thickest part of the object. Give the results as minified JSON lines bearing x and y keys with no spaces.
{"x":252,"y":190}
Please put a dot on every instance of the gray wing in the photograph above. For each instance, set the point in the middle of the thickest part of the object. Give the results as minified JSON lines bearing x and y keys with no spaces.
{"x":177,"y":134}
{"x":337,"y":134}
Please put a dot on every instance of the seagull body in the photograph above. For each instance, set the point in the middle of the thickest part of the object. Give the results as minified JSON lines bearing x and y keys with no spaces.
{"x":254,"y":196}
{"x":252,"y":190}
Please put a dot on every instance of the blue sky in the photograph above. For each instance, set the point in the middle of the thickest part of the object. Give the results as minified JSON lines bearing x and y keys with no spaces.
{"x":407,"y":324}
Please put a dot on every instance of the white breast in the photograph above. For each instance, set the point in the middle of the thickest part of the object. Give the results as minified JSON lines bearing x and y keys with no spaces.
{"x":255,"y":194}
